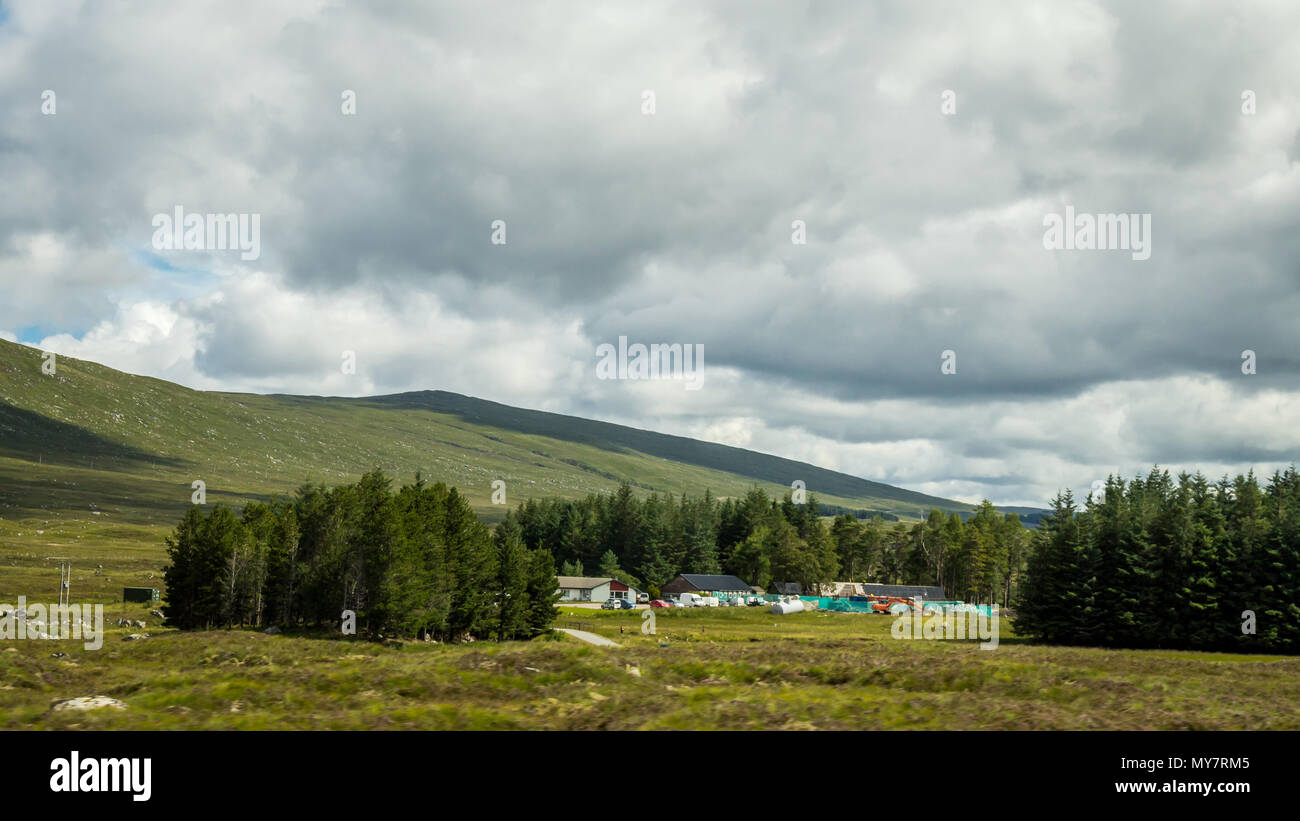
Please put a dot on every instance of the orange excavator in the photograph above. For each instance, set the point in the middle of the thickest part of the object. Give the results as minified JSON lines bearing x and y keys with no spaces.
{"x":884,"y":605}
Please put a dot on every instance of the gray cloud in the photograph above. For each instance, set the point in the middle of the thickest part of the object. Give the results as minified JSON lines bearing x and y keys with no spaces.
{"x":924,"y":230}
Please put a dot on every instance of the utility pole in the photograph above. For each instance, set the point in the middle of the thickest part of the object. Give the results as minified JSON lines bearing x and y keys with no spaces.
{"x":65,"y":578}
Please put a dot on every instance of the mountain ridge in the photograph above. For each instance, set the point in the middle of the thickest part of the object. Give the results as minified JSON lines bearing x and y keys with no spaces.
{"x":156,"y":437}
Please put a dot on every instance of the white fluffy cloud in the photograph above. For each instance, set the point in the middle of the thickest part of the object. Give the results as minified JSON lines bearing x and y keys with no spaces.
{"x":924,"y":230}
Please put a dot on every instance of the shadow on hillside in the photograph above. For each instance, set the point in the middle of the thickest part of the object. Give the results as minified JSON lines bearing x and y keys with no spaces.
{"x":30,"y":436}
{"x":119,"y":498}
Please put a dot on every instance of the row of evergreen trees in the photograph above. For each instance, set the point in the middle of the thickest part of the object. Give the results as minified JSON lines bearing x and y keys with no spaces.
{"x":1149,"y":563}
{"x":1154,"y":563}
{"x":648,"y":541}
{"x":417,"y":562}
{"x":767,"y":542}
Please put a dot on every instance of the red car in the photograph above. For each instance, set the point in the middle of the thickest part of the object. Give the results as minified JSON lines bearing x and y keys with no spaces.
{"x":660,"y":603}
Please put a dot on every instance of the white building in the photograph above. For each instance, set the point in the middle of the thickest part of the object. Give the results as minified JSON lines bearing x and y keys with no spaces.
{"x":586,"y":588}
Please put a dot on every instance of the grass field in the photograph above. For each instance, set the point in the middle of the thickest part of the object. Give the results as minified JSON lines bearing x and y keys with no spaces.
{"x":708,"y":668}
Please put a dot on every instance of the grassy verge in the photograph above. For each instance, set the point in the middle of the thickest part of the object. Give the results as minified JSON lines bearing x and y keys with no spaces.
{"x":731,"y":669}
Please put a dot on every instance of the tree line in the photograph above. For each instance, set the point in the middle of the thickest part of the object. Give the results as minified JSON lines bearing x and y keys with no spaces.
{"x":416,"y":563}
{"x":1147,"y":563}
{"x":1154,"y":563}
{"x":768,"y":542}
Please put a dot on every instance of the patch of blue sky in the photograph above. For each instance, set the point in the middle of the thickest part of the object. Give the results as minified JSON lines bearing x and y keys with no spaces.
{"x":168,"y":280}
{"x":33,"y":334}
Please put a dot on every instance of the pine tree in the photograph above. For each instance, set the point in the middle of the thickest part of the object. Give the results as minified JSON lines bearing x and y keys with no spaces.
{"x":471,"y":568}
{"x":609,"y":565}
{"x":1205,"y":526}
{"x":180,"y":576}
{"x":512,"y":605}
{"x":541,"y":592}
{"x":1055,"y":588}
{"x":1120,"y":582}
{"x":749,"y":560}
{"x":846,"y":533}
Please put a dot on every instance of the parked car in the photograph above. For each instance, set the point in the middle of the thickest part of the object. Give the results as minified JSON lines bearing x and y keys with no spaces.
{"x":609,"y":604}
{"x":625,"y":604}
{"x":642,"y":598}
{"x":660,"y":603}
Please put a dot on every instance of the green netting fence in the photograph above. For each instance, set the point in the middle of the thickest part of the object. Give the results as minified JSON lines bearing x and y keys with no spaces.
{"x":860,"y":605}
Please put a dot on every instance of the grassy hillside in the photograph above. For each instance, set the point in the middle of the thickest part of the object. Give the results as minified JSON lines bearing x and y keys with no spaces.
{"x":754,"y":466}
{"x":98,"y":464}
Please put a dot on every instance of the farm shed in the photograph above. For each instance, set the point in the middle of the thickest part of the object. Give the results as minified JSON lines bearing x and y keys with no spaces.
{"x":140,"y":594}
{"x":705,"y":584}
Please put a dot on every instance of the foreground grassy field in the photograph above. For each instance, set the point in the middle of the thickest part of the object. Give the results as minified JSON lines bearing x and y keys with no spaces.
{"x":705,"y":669}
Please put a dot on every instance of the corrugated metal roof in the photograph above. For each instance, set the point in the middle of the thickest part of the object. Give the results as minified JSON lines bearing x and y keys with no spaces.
{"x":581,"y":582}
{"x":720,"y":583}
{"x":910,"y":591}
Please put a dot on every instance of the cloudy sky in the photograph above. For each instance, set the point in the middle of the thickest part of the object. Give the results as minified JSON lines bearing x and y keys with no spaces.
{"x":667,"y":217}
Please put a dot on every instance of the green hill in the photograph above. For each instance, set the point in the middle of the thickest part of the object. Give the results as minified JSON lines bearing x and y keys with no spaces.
{"x":94,"y":453}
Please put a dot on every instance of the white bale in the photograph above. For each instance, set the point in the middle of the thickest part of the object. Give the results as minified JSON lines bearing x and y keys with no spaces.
{"x":785,"y":608}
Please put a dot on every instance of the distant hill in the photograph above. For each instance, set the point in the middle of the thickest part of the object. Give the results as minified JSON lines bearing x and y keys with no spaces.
{"x":91,"y":438}
{"x":749,"y":464}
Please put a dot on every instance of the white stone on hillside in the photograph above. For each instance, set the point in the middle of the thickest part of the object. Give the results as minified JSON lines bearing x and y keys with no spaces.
{"x":89,"y":703}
